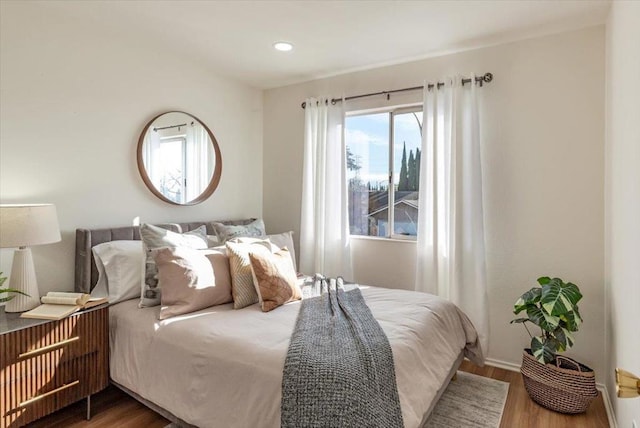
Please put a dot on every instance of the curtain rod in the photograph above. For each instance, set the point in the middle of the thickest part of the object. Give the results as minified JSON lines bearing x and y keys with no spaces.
{"x":486,"y":78}
{"x":172,"y":126}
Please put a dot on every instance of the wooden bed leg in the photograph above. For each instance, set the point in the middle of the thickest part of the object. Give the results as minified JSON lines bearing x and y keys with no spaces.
{"x":455,"y":377}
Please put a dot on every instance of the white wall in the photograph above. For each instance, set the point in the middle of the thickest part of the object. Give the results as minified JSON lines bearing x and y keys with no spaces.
{"x":75,"y":97}
{"x":622,"y":192}
{"x":543,"y":134}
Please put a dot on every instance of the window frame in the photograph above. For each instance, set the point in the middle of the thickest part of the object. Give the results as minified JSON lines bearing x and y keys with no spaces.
{"x":392,"y":111}
{"x":182,"y":139}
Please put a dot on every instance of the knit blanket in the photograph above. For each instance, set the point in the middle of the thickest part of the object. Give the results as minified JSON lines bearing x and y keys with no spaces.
{"x":339,"y":368}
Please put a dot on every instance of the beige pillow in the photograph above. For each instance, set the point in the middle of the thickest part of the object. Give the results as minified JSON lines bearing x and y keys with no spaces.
{"x":275,"y":277}
{"x":242,"y":287}
{"x":191,"y":279}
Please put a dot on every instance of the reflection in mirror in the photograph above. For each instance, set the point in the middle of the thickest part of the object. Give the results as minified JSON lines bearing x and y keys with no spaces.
{"x":179,"y":158}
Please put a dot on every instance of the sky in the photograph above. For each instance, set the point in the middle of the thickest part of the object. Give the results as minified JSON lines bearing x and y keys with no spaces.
{"x":367,"y":136}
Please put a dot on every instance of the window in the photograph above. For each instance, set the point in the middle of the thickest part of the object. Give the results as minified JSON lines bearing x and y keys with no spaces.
{"x":383,"y":164}
{"x":171,"y":158}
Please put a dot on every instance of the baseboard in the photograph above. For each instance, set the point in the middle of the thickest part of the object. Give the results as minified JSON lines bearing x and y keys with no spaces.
{"x":599,"y":386}
{"x":607,"y":405}
{"x":503,"y":364}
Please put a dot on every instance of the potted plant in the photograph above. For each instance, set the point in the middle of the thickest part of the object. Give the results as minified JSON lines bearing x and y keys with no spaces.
{"x":553,"y":381}
{"x":7,"y":290}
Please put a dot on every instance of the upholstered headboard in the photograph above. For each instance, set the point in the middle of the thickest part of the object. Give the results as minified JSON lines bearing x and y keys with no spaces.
{"x":86,"y":273}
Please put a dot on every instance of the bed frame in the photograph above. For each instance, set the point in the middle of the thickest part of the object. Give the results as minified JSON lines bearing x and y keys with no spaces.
{"x":86,"y":277}
{"x":86,"y":272}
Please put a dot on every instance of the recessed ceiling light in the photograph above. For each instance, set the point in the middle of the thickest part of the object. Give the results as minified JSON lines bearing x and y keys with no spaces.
{"x":283,"y":46}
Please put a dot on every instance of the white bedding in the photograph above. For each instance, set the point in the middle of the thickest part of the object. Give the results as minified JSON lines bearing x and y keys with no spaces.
{"x":220,"y":367}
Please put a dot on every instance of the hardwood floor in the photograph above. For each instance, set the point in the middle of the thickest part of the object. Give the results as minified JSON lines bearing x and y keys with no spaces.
{"x":113,"y":408}
{"x":521,"y":412}
{"x":110,"y":408}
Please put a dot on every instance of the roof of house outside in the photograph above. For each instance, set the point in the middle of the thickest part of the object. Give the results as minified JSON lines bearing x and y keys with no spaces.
{"x":379,"y":203}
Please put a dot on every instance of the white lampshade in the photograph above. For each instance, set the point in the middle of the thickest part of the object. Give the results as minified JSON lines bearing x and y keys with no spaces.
{"x":23,"y":226}
{"x":27,"y":225}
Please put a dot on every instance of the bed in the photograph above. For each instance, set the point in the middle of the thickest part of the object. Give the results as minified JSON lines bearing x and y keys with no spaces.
{"x":220,"y":367}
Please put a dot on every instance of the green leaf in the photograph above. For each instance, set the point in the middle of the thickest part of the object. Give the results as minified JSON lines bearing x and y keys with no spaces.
{"x":543,"y":349}
{"x":564,"y":339}
{"x":577,"y":315}
{"x":571,"y":320}
{"x":519,"y":320}
{"x":531,"y":297}
{"x":559,"y":298}
{"x":542,"y":319}
{"x":544,"y":280}
{"x":10,"y":290}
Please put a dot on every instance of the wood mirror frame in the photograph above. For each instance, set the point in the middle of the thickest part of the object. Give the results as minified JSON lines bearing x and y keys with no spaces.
{"x":213,"y":182}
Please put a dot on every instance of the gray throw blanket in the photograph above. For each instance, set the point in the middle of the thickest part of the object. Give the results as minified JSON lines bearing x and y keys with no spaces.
{"x":339,"y":368}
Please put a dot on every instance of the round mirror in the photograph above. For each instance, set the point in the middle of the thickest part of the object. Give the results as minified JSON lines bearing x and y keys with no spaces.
{"x":179,"y":158}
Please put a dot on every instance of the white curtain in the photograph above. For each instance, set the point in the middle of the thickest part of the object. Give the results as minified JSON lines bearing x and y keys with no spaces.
{"x":324,"y":223}
{"x":450,"y":247}
{"x":151,"y":158}
{"x":199,"y":166}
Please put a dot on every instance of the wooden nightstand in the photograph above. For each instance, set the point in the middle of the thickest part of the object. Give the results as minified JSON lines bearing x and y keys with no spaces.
{"x":46,"y":365}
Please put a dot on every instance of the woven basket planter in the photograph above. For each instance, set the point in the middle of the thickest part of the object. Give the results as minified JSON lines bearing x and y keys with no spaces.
{"x":566,"y":387}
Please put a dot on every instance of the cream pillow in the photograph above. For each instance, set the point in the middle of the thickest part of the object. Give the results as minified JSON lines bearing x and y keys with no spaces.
{"x":191,"y":279}
{"x":279,"y":240}
{"x":282,"y":240}
{"x":242,"y":287}
{"x":275,"y":277}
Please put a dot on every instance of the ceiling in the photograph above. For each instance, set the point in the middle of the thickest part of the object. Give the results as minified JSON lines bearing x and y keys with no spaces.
{"x":234,"y":38}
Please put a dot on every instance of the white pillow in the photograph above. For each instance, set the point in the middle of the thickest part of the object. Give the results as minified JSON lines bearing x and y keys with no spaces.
{"x":278,"y":241}
{"x":282,"y":240}
{"x":119,"y":266}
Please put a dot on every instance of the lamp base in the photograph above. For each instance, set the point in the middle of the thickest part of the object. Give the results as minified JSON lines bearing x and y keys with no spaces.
{"x":23,"y":278}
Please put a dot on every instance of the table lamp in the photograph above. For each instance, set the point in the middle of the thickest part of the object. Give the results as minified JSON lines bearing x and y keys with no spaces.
{"x":22,"y":226}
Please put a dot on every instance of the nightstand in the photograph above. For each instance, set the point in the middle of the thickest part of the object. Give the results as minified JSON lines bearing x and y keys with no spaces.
{"x":46,"y":365}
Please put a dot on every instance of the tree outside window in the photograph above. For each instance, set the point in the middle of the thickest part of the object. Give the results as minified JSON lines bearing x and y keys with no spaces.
{"x":383,"y":162}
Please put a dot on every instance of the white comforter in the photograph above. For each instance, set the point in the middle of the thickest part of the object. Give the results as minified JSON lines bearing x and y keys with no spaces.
{"x":222,"y":368}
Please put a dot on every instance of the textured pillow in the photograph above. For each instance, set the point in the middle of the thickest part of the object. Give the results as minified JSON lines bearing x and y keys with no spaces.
{"x":119,"y":266}
{"x":275,"y":278}
{"x":242,"y":287}
{"x":191,"y":279}
{"x":156,"y":237}
{"x":226,"y":232}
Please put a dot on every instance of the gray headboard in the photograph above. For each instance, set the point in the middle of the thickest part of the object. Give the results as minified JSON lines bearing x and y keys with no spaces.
{"x":86,"y":273}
